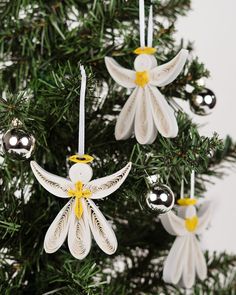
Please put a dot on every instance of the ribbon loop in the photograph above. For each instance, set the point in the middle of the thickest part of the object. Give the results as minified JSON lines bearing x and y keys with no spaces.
{"x":82,"y":113}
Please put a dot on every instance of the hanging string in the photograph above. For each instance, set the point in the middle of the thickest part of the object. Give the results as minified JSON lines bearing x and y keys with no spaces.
{"x":182,"y":189}
{"x":192,"y":188}
{"x":142,"y":23}
{"x":82,"y":113}
{"x":150,"y":27}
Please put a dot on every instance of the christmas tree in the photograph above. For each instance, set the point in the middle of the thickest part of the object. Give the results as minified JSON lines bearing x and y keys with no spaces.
{"x":43,"y":44}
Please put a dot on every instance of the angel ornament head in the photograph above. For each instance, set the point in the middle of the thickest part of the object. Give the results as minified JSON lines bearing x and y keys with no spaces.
{"x":185,"y":260}
{"x":146,"y":111}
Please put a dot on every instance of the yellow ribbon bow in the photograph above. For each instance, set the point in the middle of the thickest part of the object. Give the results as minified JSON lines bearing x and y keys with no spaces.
{"x":79,"y":193}
{"x":191,"y":223}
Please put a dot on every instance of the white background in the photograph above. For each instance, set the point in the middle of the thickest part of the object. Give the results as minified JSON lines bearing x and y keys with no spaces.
{"x":211,"y":25}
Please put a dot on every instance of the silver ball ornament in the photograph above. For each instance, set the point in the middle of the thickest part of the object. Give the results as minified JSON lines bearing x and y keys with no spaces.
{"x":203,"y":102}
{"x":18,"y":143}
{"x":160,"y":198}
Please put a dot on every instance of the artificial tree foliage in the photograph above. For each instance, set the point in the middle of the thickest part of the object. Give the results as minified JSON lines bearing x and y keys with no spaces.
{"x":42,"y":44}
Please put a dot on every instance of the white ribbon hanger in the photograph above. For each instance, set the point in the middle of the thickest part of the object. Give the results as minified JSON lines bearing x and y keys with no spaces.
{"x":142,"y":25}
{"x":192,"y":185}
{"x":81,"y":141}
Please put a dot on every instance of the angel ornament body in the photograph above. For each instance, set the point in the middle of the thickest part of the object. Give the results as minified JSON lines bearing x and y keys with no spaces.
{"x":146,"y":111}
{"x":186,"y":260}
{"x":80,"y":216}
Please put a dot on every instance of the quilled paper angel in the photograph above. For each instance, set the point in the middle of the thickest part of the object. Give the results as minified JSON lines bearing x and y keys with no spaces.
{"x":185,"y":260}
{"x":80,"y":216}
{"x":146,"y":111}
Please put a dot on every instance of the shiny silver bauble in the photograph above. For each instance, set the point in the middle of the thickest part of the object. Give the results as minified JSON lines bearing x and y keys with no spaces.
{"x":160,"y":198}
{"x":18,"y":143}
{"x":203,"y":102}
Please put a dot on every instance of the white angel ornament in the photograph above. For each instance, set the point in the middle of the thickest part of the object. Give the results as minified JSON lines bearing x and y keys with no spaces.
{"x":80,"y":216}
{"x":185,"y":260}
{"x":146,"y":111}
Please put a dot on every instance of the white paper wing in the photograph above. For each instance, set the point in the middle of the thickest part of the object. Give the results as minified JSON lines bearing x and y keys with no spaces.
{"x":79,"y":236}
{"x":163,"y":115}
{"x":105,"y":186}
{"x":189,"y":270}
{"x":200,"y":261}
{"x":125,"y":121}
{"x":173,"y":224}
{"x":101,"y":229}
{"x":145,"y":129}
{"x":57,"y":232}
{"x":54,"y":184}
{"x":204,"y":217}
{"x":121,"y":75}
{"x":174,"y":264}
{"x":168,"y":72}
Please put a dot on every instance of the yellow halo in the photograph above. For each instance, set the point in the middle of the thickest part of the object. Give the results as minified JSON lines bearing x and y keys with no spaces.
{"x":84,"y":159}
{"x":145,"y":50}
{"x":187,"y":202}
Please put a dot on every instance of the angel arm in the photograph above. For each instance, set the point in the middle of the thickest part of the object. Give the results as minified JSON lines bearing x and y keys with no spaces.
{"x":102,"y":187}
{"x":56,"y":185}
{"x":173,"y":224}
{"x":168,"y":72}
{"x":122,"y":76}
